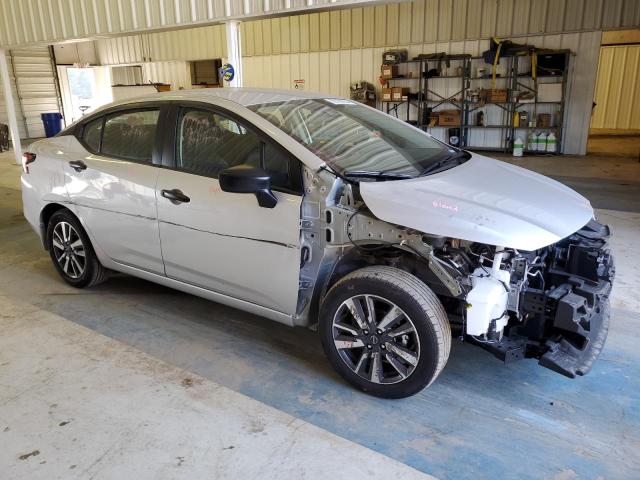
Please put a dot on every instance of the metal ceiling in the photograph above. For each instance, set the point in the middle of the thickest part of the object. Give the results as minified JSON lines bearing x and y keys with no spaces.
{"x":25,"y":22}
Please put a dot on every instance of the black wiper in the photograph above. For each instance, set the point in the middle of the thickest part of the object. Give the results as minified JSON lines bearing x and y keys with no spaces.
{"x":375,"y":175}
{"x":447,"y":162}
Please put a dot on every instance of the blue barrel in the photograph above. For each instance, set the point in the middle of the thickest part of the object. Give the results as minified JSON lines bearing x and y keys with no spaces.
{"x":52,"y":123}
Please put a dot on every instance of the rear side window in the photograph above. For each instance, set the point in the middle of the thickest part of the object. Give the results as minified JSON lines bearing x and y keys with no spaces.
{"x":130,"y":135}
{"x":92,"y":134}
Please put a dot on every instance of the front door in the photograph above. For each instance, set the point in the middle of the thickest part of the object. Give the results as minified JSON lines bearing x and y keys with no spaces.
{"x":226,"y":242}
{"x":111,"y":181}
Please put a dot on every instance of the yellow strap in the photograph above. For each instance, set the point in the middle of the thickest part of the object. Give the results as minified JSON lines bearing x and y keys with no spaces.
{"x":534,"y":65}
{"x":495,"y":62}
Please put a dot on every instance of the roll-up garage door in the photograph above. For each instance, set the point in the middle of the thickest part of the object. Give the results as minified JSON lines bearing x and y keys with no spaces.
{"x":35,"y":84}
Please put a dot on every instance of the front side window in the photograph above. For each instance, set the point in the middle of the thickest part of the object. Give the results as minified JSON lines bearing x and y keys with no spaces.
{"x":352,"y":138}
{"x":209,"y":142}
{"x":131,"y":135}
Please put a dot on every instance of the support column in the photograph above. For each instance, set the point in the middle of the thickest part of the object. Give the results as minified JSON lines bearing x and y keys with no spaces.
{"x":234,"y":52}
{"x":11,"y":109}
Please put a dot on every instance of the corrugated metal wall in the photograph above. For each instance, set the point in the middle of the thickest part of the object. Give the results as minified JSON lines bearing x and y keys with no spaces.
{"x":177,"y":74}
{"x":24,"y":22}
{"x":428,"y":21}
{"x":333,"y":71}
{"x":617,"y":91}
{"x":188,"y":44}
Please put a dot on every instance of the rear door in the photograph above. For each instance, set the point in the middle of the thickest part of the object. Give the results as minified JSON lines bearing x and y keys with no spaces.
{"x":112,"y":185}
{"x":221,"y":241}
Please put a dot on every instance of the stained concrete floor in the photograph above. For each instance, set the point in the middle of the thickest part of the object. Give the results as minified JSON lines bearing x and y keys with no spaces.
{"x":481,"y":419}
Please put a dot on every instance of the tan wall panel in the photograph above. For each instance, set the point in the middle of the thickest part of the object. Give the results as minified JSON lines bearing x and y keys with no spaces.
{"x":356,"y":27}
{"x":393,"y":15}
{"x":275,"y":36}
{"x":380,"y":26}
{"x":368,"y":28}
{"x":617,"y":93}
{"x":334,"y":29}
{"x":325,"y":31}
{"x":304,"y":33}
{"x":314,"y":32}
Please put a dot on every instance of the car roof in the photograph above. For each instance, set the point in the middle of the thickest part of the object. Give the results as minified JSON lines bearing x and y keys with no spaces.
{"x":241,"y":96}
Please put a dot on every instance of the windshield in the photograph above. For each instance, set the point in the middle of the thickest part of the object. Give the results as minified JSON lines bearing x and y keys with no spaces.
{"x":353,"y":139}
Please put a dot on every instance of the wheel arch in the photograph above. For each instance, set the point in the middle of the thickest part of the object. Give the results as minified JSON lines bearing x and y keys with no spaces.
{"x":45,"y":215}
{"x":357,"y":258}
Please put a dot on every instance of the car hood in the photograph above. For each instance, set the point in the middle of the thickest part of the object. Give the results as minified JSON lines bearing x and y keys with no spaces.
{"x":483,"y":200}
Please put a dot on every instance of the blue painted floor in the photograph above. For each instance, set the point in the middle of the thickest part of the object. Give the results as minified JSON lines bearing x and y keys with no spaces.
{"x":481,"y":419}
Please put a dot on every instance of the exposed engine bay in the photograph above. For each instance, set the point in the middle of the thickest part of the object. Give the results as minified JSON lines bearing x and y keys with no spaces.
{"x":551,"y":304}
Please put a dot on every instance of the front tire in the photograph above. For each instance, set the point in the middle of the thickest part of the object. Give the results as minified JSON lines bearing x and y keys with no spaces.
{"x":385,"y":331}
{"x":71,"y":251}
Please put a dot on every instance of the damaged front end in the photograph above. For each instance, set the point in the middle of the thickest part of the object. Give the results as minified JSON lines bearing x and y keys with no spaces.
{"x":558,"y":303}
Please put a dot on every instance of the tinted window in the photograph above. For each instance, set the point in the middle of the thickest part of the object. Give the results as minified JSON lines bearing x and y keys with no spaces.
{"x":92,"y":133}
{"x":282,"y":169}
{"x":209,"y":143}
{"x":131,"y":134}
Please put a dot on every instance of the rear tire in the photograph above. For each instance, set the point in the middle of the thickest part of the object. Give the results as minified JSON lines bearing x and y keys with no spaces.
{"x":397,"y":351}
{"x":71,"y":251}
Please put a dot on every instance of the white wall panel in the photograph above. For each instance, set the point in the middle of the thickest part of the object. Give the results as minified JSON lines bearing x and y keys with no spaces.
{"x":333,"y":71}
{"x":177,"y":74}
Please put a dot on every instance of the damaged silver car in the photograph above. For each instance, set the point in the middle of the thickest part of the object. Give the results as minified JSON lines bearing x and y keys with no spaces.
{"x":321,"y":212}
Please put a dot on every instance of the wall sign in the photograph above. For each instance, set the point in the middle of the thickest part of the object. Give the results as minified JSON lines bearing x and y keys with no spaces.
{"x":298,"y":84}
{"x":227,"y":72}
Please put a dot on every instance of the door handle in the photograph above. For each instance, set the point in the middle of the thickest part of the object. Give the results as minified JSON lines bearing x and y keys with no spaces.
{"x":78,"y":165}
{"x":175,"y":195}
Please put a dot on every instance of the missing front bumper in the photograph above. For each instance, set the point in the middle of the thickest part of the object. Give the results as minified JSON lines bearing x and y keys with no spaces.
{"x":566,"y":325}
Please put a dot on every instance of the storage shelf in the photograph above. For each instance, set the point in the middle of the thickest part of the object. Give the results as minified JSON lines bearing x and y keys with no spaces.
{"x":487,"y":126}
{"x":513,"y":79}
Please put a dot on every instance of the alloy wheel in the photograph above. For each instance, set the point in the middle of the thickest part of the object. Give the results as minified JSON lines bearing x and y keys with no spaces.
{"x":69,"y":250}
{"x":376,"y":339}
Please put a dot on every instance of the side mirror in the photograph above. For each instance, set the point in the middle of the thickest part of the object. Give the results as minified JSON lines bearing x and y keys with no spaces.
{"x":247,"y":179}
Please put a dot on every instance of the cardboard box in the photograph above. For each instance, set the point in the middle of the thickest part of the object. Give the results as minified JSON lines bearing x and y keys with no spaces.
{"x":389,"y":71}
{"x":387,"y":95}
{"x":449,"y":118}
{"x":497,"y":95}
{"x":398,"y":92}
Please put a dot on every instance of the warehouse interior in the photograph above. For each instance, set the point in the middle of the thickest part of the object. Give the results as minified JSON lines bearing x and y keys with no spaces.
{"x":130,"y":379}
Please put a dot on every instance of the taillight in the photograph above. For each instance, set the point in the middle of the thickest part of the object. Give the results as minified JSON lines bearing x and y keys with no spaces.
{"x":27,"y":158}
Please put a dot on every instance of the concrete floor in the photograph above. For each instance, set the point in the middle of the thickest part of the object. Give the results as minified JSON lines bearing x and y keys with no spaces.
{"x":172,"y":381}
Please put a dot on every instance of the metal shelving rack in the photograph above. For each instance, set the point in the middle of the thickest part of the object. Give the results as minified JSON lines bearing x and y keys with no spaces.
{"x":390,"y":106}
{"x":429,"y":97}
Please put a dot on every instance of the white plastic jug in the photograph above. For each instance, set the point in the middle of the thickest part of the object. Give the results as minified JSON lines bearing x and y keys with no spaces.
{"x":518,"y":146}
{"x":552,"y":143}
